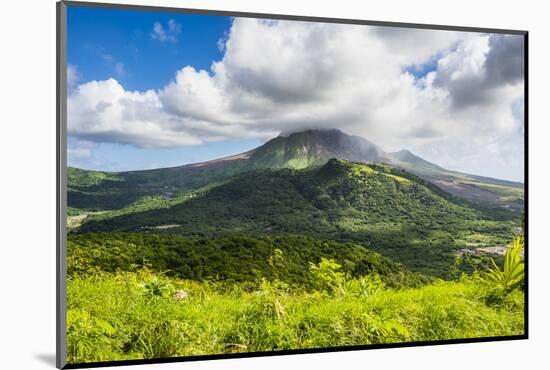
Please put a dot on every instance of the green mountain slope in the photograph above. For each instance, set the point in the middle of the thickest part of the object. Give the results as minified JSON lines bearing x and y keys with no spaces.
{"x":379,"y":206}
{"x":91,"y":191}
{"x":100,"y":191}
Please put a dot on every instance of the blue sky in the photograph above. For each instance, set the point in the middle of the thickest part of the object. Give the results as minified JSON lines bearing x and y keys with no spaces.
{"x":100,"y":38}
{"x":119,"y":44}
{"x":151,"y":89}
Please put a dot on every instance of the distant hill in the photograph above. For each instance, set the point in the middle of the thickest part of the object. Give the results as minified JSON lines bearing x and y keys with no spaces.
{"x":100,"y":191}
{"x":408,"y":160}
{"x":478,"y":189}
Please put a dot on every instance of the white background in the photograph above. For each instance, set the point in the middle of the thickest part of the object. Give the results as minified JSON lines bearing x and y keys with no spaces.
{"x":27,"y":210}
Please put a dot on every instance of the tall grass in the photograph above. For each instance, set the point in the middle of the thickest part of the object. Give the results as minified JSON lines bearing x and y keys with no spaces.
{"x":135,"y":315}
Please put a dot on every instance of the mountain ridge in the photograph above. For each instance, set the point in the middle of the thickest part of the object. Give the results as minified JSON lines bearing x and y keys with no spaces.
{"x":89,"y":189}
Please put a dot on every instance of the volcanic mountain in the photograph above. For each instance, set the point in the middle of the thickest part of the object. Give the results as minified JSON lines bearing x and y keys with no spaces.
{"x":314,"y":148}
{"x":99,"y":191}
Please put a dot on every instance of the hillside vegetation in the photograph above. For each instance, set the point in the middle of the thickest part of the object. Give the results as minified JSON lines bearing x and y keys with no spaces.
{"x":93,"y":191}
{"x":379,"y":206}
{"x":235,"y":258}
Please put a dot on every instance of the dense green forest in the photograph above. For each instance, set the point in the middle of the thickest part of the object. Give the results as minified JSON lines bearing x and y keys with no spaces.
{"x":234,"y":258}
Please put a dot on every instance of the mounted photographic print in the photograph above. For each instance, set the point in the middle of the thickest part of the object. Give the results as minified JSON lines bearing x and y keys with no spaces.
{"x":235,"y":184}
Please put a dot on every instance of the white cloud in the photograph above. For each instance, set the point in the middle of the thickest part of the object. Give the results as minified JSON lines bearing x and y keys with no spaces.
{"x":102,"y":111}
{"x":168,"y":34}
{"x":481,"y":66}
{"x":280,"y":76}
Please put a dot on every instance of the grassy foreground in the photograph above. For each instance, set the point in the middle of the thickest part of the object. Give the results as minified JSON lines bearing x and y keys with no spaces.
{"x":139,"y":314}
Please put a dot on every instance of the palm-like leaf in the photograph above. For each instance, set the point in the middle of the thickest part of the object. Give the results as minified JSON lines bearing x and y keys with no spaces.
{"x":514,"y":269}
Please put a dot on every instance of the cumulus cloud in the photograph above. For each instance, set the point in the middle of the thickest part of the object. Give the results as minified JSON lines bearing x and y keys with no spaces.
{"x":282,"y":76}
{"x":102,"y":111}
{"x":505,"y":62}
{"x":480,"y":67}
{"x":168,"y":34}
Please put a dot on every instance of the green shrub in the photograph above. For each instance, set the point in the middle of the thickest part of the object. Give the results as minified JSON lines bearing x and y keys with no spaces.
{"x":327,"y":275}
{"x":512,"y":274}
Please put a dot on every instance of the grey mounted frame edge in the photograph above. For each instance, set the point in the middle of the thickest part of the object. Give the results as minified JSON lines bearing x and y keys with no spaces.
{"x":61,"y":185}
{"x":290,"y":17}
